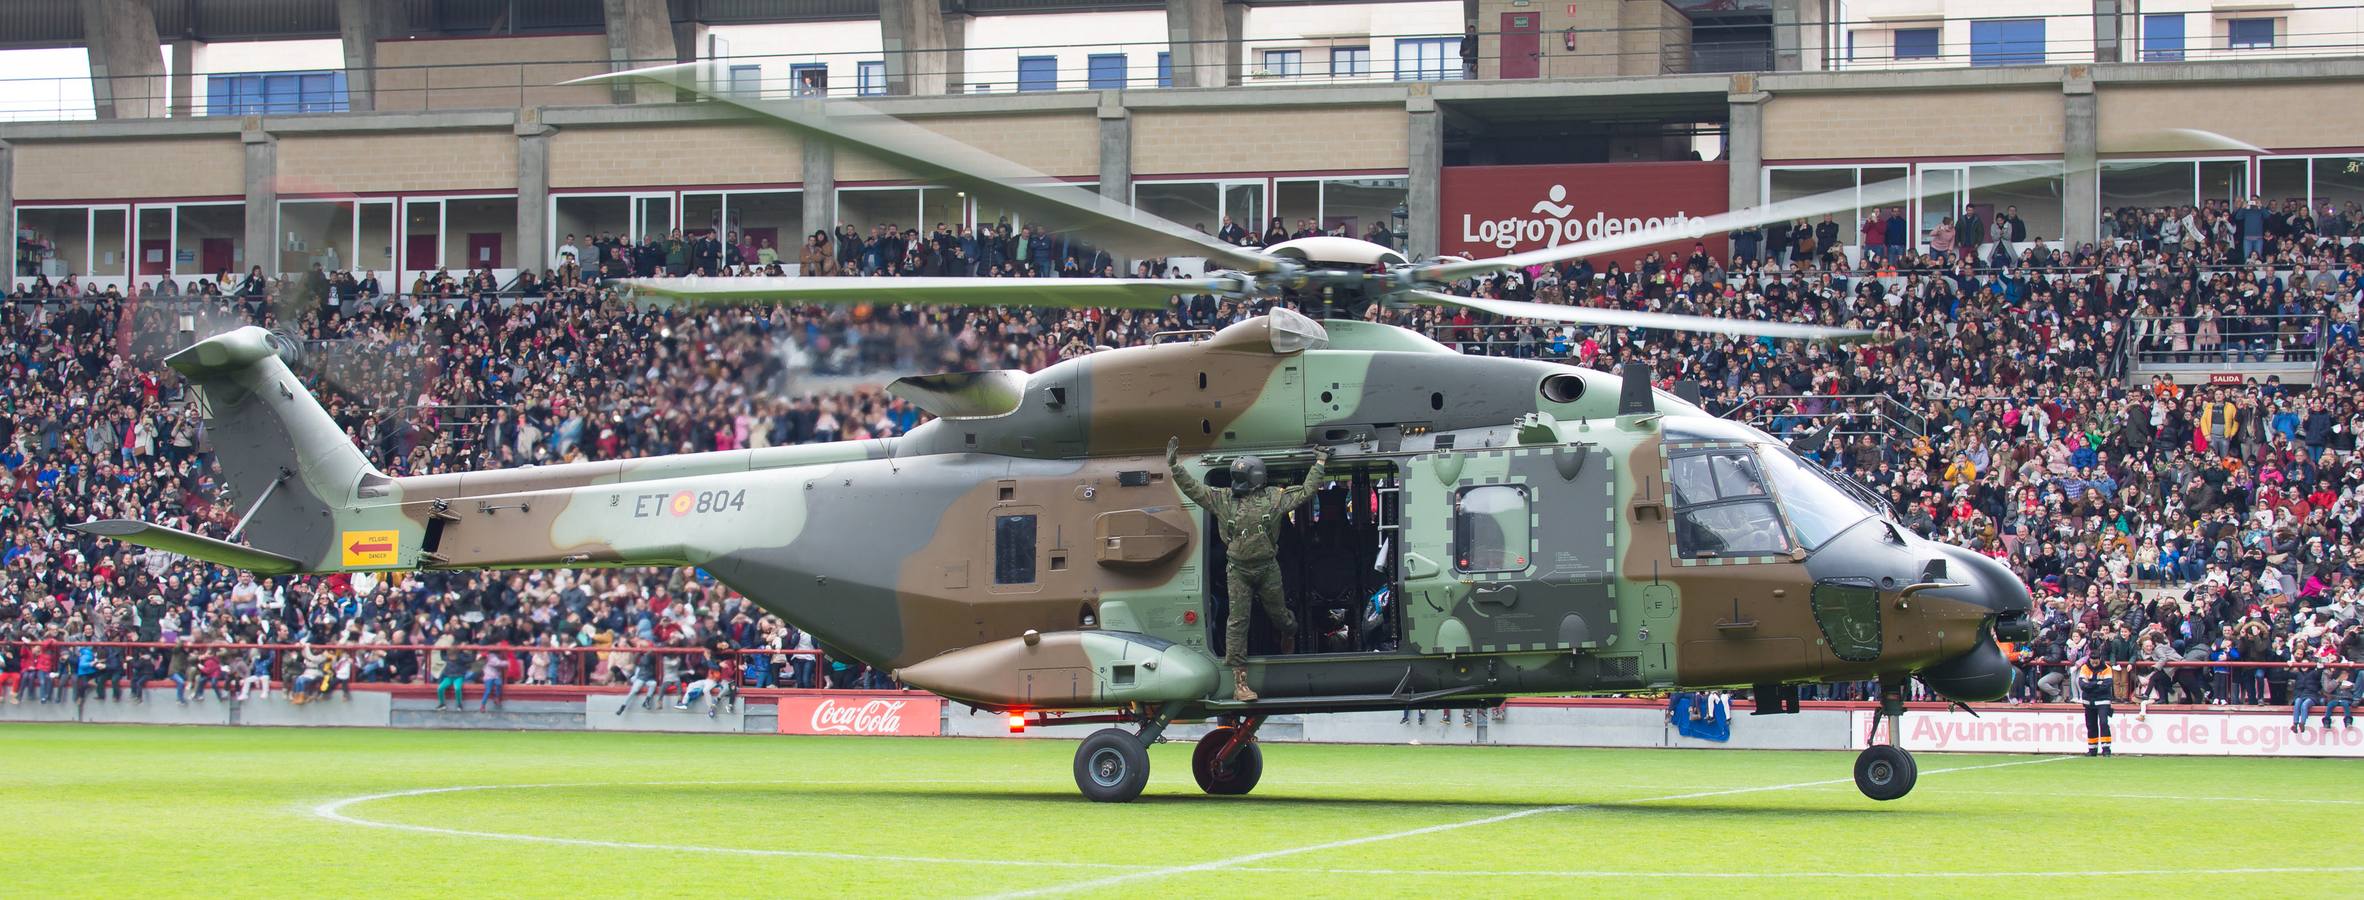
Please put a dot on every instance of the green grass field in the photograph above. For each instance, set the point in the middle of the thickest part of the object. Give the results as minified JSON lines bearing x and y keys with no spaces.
{"x":143,"y":811}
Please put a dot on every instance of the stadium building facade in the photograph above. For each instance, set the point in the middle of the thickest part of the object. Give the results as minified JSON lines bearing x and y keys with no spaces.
{"x":430,"y":149}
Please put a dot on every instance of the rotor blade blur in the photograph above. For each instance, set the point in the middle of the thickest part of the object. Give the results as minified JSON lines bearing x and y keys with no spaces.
{"x":1127,"y":293}
{"x":1893,"y":192}
{"x":1626,"y":318}
{"x":935,"y":159}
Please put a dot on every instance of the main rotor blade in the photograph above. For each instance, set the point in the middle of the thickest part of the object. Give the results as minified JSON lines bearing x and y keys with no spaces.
{"x":1887,"y":193}
{"x":1115,"y":226}
{"x":1129,"y":293}
{"x":1626,"y":318}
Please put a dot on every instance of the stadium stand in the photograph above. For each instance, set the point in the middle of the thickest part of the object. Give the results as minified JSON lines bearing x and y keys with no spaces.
{"x":2158,"y":523}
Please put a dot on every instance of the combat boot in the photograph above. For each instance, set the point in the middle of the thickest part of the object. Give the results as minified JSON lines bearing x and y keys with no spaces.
{"x":1239,"y":687}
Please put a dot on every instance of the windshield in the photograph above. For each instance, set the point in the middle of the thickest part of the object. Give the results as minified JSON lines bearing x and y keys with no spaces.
{"x":1818,"y":507}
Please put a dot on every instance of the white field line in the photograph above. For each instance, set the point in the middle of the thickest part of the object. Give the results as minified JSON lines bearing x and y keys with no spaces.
{"x":334,"y":811}
{"x":1236,"y":862}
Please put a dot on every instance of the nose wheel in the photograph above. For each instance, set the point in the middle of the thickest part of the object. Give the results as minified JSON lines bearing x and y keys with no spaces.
{"x":1886,"y":771}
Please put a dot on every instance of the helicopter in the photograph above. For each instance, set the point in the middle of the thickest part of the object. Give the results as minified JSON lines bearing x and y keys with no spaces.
{"x":1484,"y":528}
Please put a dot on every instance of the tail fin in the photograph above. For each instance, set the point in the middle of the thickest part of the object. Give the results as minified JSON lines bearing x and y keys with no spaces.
{"x":291,"y":470}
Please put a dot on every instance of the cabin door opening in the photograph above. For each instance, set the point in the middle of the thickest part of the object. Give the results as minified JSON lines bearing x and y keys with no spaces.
{"x":1338,"y":561}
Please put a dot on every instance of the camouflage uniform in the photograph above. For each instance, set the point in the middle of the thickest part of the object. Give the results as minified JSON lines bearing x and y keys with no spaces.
{"x":1248,"y":523}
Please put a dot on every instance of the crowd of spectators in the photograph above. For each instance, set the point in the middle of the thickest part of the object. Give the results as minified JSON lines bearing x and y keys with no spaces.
{"x":2154,"y":521}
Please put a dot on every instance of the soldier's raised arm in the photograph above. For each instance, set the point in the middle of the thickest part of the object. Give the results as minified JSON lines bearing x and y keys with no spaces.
{"x":1190,"y":487}
{"x":1294,"y":497}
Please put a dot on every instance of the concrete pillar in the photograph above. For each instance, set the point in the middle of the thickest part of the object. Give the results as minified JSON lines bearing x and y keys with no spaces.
{"x":2080,"y":192}
{"x":956,"y":53}
{"x":1204,"y":47}
{"x":1116,"y":148}
{"x":820,"y":187}
{"x":639,"y":35}
{"x":1426,"y":143}
{"x":911,"y":32}
{"x":362,"y":24}
{"x":126,"y":59}
{"x":533,"y":190}
{"x":2107,"y":29}
{"x":262,"y":198}
{"x":8,"y":196}
{"x":1788,"y":30}
{"x":1744,"y":143}
{"x":181,"y":92}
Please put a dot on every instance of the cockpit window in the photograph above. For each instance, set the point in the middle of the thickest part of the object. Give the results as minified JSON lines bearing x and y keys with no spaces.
{"x":1818,"y":507}
{"x":1723,"y":507}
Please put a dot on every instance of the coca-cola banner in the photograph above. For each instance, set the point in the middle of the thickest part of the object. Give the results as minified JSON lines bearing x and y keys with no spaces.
{"x":1495,"y":210}
{"x":858,"y":714}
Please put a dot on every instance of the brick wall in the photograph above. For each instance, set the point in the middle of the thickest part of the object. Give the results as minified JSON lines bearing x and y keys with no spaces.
{"x":528,"y":72}
{"x":2274,"y":116}
{"x":419,"y":161}
{"x":1061,"y":144}
{"x":1932,"y":123}
{"x":722,"y":153}
{"x":196,"y":167}
{"x":1173,"y":142}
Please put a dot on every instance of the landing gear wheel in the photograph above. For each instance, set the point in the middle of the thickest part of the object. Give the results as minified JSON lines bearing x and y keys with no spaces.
{"x":1885,"y":772}
{"x":1111,"y":766}
{"x":1227,"y":779}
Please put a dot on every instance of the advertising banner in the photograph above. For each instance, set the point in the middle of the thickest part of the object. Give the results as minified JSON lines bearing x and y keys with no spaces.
{"x":909,"y":716}
{"x":2160,"y":733}
{"x":1496,"y":210}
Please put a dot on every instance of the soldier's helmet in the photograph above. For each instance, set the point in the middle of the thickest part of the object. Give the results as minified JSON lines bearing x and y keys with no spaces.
{"x":1247,"y":474}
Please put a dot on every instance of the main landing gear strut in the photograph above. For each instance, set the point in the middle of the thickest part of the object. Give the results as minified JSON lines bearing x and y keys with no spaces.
{"x":1886,"y":771}
{"x":1112,"y":764}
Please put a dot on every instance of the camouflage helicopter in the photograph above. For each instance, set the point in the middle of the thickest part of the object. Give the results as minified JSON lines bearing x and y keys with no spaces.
{"x":1484,"y":528}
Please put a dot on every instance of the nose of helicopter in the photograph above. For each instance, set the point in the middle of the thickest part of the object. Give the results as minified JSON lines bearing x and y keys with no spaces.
{"x":1983,"y":673}
{"x":1992,"y":585}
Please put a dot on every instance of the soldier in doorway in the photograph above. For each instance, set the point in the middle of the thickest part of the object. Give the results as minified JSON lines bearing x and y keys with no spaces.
{"x":1249,"y":518}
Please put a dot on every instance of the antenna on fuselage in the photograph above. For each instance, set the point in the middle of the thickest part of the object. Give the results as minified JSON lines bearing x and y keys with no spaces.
{"x":1635,"y":398}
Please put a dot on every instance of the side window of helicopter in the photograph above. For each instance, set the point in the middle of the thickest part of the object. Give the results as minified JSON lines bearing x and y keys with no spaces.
{"x":1490,"y":528}
{"x":1722,"y":506}
{"x":1013,"y":549}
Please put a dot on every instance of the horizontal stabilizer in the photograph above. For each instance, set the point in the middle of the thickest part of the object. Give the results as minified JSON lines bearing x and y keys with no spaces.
{"x":196,"y":546}
{"x":964,"y":395}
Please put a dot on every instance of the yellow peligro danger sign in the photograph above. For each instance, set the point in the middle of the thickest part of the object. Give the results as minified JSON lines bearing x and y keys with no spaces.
{"x":367,"y":548}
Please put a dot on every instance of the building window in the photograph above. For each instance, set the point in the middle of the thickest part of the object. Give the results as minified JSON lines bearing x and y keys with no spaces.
{"x":1165,"y":69}
{"x":1490,"y":526}
{"x":1428,"y":59}
{"x":2006,"y":42}
{"x":809,"y":79}
{"x":2249,"y":34}
{"x":2162,"y":38}
{"x":1284,"y":63}
{"x":274,"y":93}
{"x":1350,"y":62}
{"x":1013,"y":549}
{"x":747,"y":81}
{"x":1916,"y":43}
{"x":1105,"y":71}
{"x":1038,"y":73}
{"x":870,"y":78}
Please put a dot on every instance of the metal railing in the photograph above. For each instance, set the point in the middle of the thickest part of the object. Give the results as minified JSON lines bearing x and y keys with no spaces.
{"x":1847,"y":415}
{"x":2226,"y":340}
{"x":579,"y":666}
{"x":1729,"y":41}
